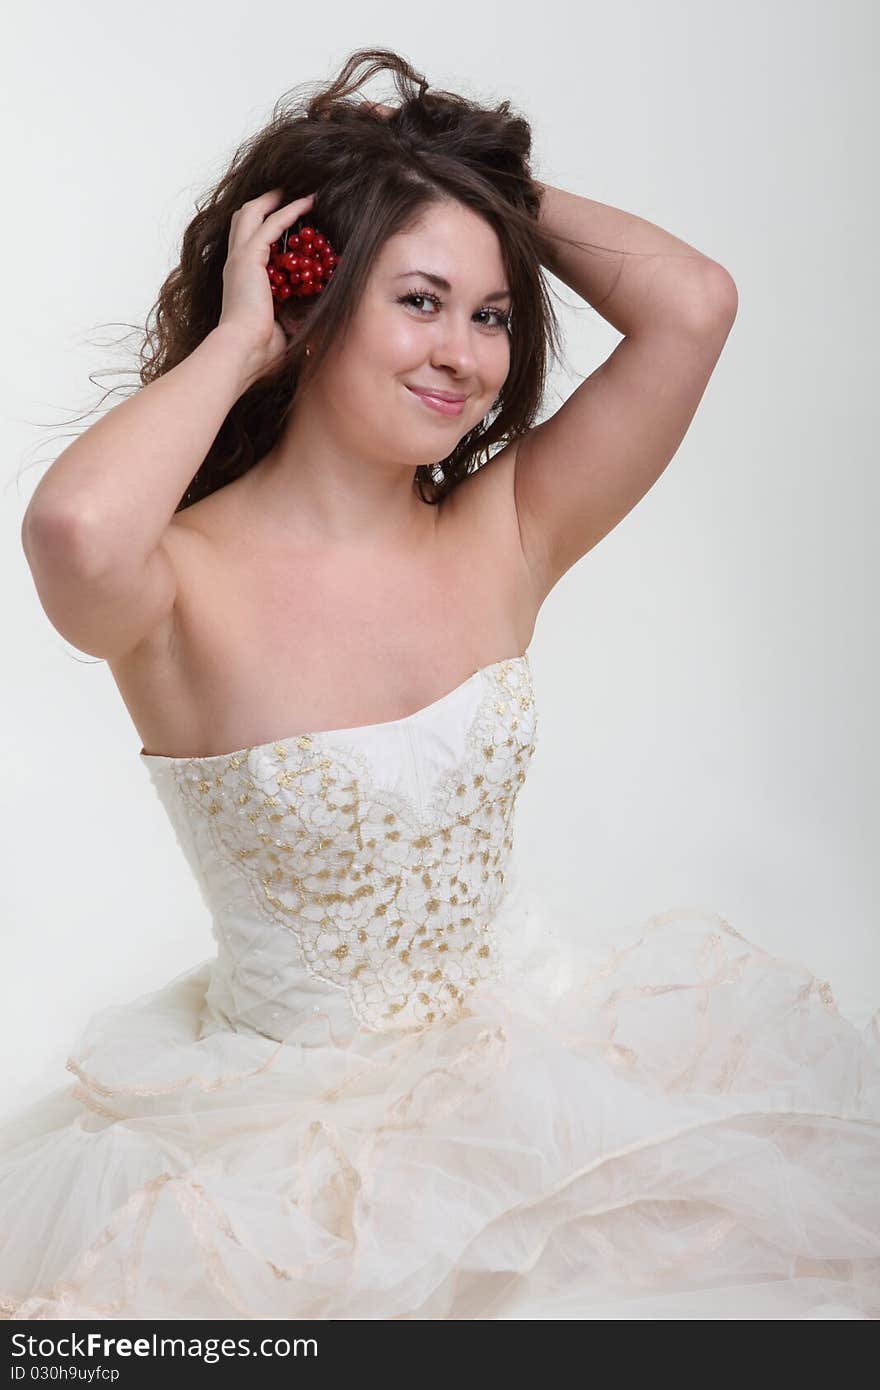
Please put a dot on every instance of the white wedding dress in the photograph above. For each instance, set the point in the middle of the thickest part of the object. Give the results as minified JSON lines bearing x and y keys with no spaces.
{"x":399,"y":1090}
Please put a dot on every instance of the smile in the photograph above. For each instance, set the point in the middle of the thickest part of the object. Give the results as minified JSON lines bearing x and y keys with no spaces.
{"x":435,"y":402}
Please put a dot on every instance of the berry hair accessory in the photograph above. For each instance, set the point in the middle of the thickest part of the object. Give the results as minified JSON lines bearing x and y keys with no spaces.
{"x":301,"y":263}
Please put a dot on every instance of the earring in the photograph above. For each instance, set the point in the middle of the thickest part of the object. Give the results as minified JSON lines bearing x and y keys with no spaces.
{"x":308,"y":351}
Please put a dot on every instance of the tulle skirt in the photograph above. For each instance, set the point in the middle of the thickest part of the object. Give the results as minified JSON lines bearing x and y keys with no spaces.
{"x":674,"y":1124}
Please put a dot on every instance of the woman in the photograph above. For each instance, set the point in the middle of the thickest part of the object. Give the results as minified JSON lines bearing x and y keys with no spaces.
{"x":394,"y":1093}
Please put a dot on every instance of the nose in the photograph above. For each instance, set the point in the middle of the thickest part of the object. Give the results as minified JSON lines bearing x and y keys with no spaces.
{"x":454,"y":346}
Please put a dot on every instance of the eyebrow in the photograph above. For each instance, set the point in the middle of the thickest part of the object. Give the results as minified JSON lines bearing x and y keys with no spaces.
{"x":442,"y":284}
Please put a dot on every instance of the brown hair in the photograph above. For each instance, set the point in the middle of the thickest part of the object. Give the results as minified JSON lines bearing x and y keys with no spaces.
{"x":374,"y":175}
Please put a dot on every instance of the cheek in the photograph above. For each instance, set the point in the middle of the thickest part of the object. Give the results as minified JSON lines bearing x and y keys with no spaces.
{"x":401,"y":343}
{"x":390,"y":349}
{"x":501,"y":362}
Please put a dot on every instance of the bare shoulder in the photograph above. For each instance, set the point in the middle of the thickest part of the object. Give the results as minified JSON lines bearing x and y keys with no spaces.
{"x":481,"y":513}
{"x":156,"y":677}
{"x":484,"y":534}
{"x":188,"y":544}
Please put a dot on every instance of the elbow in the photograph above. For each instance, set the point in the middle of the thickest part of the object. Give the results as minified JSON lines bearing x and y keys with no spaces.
{"x":51,"y":534}
{"x":720,"y":296}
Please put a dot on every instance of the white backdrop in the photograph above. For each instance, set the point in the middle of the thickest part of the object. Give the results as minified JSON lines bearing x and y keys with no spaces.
{"x":707,"y":679}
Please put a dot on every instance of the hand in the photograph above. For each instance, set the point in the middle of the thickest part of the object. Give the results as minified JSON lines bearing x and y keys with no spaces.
{"x":248,"y":308}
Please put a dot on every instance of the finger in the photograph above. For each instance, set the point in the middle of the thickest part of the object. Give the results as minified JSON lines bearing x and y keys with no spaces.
{"x":297,"y":202}
{"x":264,"y":198}
{"x":251,"y":214}
{"x":252,"y":218}
{"x":285,"y":216}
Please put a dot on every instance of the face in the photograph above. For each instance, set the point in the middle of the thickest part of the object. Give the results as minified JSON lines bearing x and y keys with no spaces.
{"x":411,"y":332}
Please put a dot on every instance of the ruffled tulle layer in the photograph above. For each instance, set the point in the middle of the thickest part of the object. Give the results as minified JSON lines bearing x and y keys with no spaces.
{"x":678,"y":1126}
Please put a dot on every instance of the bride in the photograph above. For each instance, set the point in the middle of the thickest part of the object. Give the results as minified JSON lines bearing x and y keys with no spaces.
{"x":313,"y":548}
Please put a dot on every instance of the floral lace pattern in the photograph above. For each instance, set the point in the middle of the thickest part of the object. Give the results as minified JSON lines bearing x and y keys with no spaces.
{"x":663,"y":1120}
{"x":388,"y":899}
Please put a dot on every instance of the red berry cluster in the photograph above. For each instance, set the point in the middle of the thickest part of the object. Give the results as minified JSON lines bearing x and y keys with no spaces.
{"x":301,"y":264}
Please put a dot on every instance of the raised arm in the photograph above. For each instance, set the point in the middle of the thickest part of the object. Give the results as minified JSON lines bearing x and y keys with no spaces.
{"x":581,"y":471}
{"x":94,"y":533}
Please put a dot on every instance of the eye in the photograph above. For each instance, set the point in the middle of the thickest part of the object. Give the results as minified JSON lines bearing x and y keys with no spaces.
{"x":501,"y":319}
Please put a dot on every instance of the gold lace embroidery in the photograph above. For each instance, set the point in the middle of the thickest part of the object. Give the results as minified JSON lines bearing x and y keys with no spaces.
{"x":389,"y":901}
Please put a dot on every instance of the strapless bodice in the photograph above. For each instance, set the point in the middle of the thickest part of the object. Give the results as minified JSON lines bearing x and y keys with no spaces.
{"x":355,"y":875}
{"x":406,"y":1085}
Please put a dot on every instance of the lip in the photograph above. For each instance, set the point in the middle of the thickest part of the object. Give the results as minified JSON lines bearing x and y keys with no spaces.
{"x":444,"y":402}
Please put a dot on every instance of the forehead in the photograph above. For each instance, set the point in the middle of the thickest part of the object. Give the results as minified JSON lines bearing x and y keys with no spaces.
{"x":450,"y":240}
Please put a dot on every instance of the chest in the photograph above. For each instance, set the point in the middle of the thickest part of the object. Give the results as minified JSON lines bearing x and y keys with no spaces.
{"x":265,"y":645}
{"x":361,"y":639}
